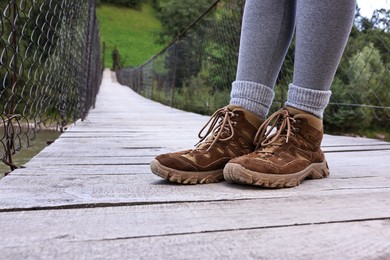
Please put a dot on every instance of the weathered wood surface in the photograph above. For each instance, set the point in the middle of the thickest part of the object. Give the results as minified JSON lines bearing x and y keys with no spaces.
{"x":91,"y":195}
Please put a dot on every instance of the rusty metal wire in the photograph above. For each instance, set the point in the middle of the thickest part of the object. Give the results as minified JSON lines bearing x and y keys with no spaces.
{"x":49,"y":67}
{"x":195,"y":71}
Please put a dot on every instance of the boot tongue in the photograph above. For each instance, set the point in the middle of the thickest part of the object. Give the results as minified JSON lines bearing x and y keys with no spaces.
{"x":294,"y":111}
{"x":233,"y":107}
{"x":252,"y":118}
{"x":280,"y":121}
{"x":217,"y":132}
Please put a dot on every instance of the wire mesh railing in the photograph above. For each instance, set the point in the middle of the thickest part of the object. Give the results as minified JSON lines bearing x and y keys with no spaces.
{"x":195,"y":71}
{"x":49,"y":67}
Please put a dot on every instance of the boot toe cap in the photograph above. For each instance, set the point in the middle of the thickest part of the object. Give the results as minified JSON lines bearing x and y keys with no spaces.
{"x":176,"y":161}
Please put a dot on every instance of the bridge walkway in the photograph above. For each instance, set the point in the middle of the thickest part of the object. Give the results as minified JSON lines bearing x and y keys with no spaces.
{"x":91,"y":194}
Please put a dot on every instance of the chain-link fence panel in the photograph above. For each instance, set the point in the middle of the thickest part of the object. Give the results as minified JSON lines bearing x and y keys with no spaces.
{"x":49,"y":67}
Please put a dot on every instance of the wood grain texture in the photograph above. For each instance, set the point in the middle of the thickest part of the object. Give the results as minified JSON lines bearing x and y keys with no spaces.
{"x":61,"y":190}
{"x":189,"y":217}
{"x":360,"y":241}
{"x":91,"y":194}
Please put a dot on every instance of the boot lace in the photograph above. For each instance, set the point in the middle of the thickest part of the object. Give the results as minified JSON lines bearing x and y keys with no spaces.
{"x":267,"y":140}
{"x":220,"y":122}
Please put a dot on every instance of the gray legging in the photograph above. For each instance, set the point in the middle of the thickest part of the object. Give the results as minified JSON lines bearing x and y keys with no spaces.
{"x":322,"y":29}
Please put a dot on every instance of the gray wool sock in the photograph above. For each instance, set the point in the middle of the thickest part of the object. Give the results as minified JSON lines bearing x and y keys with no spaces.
{"x":309,"y":100}
{"x":252,"y":96}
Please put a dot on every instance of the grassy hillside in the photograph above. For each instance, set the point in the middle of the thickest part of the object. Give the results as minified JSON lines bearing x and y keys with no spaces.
{"x":131,"y":31}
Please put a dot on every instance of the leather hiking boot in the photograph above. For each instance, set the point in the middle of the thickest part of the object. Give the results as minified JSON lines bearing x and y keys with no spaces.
{"x":283,"y":158}
{"x":230,"y":134}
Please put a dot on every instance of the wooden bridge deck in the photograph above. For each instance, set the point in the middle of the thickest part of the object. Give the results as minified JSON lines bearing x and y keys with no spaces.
{"x":91,"y":195}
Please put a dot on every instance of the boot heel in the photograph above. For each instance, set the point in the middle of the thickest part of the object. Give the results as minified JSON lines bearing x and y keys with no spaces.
{"x":319,"y":171}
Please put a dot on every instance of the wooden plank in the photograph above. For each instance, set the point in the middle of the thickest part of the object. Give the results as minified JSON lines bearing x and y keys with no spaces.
{"x":137,"y":221}
{"x":109,"y":152}
{"x":378,"y":161}
{"x":115,"y":142}
{"x":106,"y":137}
{"x":171,"y":142}
{"x":188,"y":133}
{"x":56,"y":190}
{"x":124,"y":133}
{"x":328,"y":142}
{"x":94,"y":160}
{"x":128,"y":147}
{"x":356,"y":240}
{"x":81,"y":170}
{"x":135,"y":147}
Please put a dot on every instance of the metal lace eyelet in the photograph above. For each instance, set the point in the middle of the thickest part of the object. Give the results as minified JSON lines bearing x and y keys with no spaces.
{"x":296,"y":130}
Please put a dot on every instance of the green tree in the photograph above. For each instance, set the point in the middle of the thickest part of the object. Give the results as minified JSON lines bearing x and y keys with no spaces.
{"x":351,"y":107}
{"x":183,"y":60}
{"x":370,"y":77}
{"x":177,"y":15}
{"x":222,"y":44}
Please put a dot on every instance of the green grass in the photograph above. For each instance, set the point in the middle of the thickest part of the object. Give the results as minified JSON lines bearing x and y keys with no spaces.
{"x":131,"y":31}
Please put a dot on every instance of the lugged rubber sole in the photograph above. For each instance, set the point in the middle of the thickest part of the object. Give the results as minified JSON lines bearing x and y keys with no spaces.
{"x":184,"y":177}
{"x":236,"y":173}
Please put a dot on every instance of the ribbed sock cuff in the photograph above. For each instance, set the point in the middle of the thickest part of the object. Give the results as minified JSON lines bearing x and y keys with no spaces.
{"x":252,"y":96}
{"x":309,"y":100}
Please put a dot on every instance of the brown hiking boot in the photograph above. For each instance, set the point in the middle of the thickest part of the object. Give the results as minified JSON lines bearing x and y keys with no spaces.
{"x":230,"y":135}
{"x":283,"y":158}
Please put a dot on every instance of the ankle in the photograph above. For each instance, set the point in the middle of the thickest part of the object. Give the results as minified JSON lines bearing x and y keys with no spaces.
{"x":308,"y":100}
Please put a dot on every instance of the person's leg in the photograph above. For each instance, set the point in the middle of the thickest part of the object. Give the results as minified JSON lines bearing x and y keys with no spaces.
{"x":266,"y":34}
{"x":322,"y":30}
{"x":267,"y":30}
{"x":293,"y":153}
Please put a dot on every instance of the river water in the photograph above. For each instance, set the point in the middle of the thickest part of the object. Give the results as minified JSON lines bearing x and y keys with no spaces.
{"x":36,"y":145}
